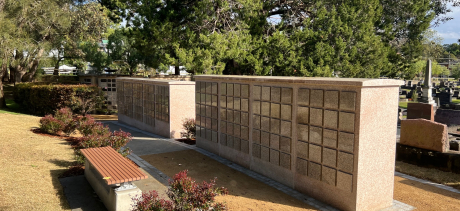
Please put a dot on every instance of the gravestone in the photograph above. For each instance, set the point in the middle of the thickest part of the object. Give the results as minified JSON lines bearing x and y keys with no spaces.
{"x":420,"y":111}
{"x":424,"y":134}
{"x":409,"y":83}
{"x":455,"y":94}
{"x":403,"y":92}
{"x":427,"y":96}
{"x":442,"y":84}
{"x":409,"y":94}
{"x":445,"y":98}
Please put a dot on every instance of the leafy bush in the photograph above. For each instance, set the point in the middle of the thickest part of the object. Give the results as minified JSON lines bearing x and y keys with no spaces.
{"x":44,"y":99}
{"x":51,"y":125}
{"x":116,"y":140}
{"x":66,"y":117}
{"x":88,"y":126}
{"x":189,"y":126}
{"x":150,"y":201}
{"x":185,"y":194}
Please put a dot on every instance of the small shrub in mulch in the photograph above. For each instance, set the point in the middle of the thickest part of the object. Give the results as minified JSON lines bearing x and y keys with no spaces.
{"x":188,"y":137}
{"x":184,"y":194}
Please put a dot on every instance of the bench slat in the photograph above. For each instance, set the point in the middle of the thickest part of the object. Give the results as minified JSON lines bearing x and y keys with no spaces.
{"x":100,"y":165}
{"x":109,"y":163}
{"x":124,"y":168}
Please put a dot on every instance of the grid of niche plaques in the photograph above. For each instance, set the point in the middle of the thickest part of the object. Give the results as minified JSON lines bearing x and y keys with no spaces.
{"x":206,"y":110}
{"x":138,"y":111}
{"x":234,"y":115}
{"x":120,"y":98}
{"x":149,"y":104}
{"x":325,"y":131}
{"x":127,"y":99}
{"x":162,"y":103}
{"x":272,"y":124}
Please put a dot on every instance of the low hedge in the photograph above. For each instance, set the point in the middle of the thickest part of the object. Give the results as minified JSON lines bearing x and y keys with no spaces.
{"x":46,"y":99}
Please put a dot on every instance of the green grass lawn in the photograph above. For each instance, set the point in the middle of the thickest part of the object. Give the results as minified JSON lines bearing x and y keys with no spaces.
{"x":404,"y":104}
{"x":13,"y":108}
{"x":455,"y":100}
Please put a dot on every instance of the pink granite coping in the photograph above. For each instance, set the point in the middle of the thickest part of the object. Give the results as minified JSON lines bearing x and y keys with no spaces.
{"x":156,"y":81}
{"x":359,"y":82}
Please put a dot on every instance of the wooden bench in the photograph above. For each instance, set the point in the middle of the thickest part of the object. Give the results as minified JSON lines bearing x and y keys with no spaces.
{"x":110,"y":175}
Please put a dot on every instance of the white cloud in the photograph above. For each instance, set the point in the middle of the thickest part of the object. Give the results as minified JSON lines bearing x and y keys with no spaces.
{"x":449,"y":35}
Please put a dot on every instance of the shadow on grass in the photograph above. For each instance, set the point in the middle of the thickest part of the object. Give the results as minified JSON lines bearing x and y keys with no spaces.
{"x":12,"y":108}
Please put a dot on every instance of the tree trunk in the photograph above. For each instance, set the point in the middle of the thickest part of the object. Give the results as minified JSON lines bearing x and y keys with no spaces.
{"x":32,"y":66}
{"x":176,"y":70}
{"x":56,"y":67}
{"x":2,"y":95}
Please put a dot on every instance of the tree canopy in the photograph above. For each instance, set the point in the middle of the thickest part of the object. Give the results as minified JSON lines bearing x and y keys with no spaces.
{"x":306,"y":38}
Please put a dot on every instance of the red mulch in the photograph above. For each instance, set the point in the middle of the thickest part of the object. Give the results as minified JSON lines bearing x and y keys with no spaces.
{"x":187,"y":141}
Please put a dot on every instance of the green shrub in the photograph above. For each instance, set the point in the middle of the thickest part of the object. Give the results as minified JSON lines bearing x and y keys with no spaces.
{"x":45,"y":99}
{"x":117,"y":140}
{"x":184,"y":193}
{"x":51,"y":125}
{"x":189,"y":126}
{"x":66,"y":117}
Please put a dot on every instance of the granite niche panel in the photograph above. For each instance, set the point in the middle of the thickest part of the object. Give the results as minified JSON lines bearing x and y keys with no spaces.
{"x":272,"y":119}
{"x":234,"y":109}
{"x":208,"y":110}
{"x":325,"y":128}
{"x":304,"y":132}
{"x":146,"y":104}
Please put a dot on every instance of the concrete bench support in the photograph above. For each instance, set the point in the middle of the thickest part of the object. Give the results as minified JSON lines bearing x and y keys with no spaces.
{"x":114,"y":197}
{"x":110,"y":175}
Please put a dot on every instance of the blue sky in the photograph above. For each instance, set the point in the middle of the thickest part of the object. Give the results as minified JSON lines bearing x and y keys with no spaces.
{"x":450,"y":30}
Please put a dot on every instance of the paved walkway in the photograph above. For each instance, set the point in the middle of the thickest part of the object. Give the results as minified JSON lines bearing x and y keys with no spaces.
{"x":145,"y":143}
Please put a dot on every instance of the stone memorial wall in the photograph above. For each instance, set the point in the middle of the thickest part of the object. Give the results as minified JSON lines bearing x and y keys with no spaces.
{"x":157,"y":106}
{"x":333,"y":139}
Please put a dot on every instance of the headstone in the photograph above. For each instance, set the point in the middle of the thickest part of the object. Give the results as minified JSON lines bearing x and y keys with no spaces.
{"x":442,"y":84}
{"x":427,"y":95}
{"x":419,"y":83}
{"x":434,"y":84}
{"x":424,"y":134}
{"x":409,"y":94}
{"x":420,"y":111}
{"x":455,"y":94}
{"x":444,"y":98}
{"x":409,"y":83}
{"x":403,"y":92}
{"x":414,"y":87}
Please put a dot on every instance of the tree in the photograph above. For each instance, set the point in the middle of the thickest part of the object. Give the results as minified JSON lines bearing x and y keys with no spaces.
{"x":453,"y":49}
{"x":456,"y":71}
{"x":309,"y":38}
{"x":87,"y":23}
{"x":122,"y":53}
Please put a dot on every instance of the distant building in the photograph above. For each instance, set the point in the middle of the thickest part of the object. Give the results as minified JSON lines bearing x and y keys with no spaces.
{"x":63,"y":70}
